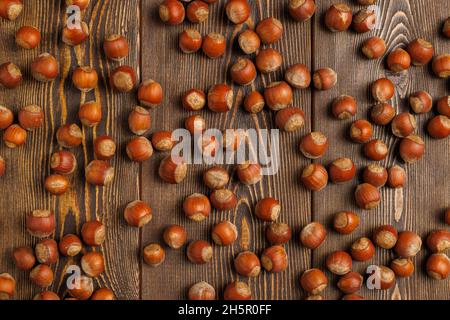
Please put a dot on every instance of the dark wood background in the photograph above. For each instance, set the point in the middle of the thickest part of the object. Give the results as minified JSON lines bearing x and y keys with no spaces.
{"x":155,"y":55}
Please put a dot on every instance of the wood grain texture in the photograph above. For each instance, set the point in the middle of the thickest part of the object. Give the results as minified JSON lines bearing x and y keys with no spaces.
{"x":401,"y":22}
{"x":196,"y":70}
{"x":155,"y":55}
{"x":29,"y":165}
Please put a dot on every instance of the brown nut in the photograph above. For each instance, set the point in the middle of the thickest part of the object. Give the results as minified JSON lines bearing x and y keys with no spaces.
{"x":171,"y":12}
{"x":42,"y":276}
{"x":197,"y":207}
{"x":412,"y":148}
{"x":10,"y":9}
{"x":438,"y":241}
{"x":175,"y":236}
{"x":290,"y":119}
{"x":364,"y":20}
{"x":339,"y":262}
{"x":116,"y":47}
{"x":269,"y":30}
{"x":398,"y":60}
{"x":382,"y":114}
{"x":93,"y":233}
{"x":342,"y":170}
{"x":362,"y":249}
{"x":314,"y":177}
{"x":214,"y":45}
{"x":41,"y":223}
{"x":268,"y":60}
{"x":313,"y":281}
{"x":194,"y":100}
{"x":247,"y":264}
{"x":31,"y":117}
{"x":438,"y":266}
{"x":441,"y":66}
{"x":93,"y":264}
{"x":313,"y":235}
{"x":376,"y":150}
{"x":396,"y":177}
{"x":216,"y":178}
{"x":23,"y":258}
{"x":421,"y":51}
{"x":408,"y":244}
{"x":382,"y":90}
{"x":344,"y":107}
{"x":123,"y":79}
{"x":69,"y":136}
{"x":202,"y":291}
{"x":443,"y":106}
{"x":173,"y":170}
{"x":375,"y":175}
{"x":104,"y":147}
{"x":197,"y":11}
{"x":350,"y":282}
{"x":63,"y":162}
{"x":249,"y":41}
{"x":243,"y":72}
{"x":302,"y":10}
{"x":47,"y":251}
{"x":268,"y":209}
{"x":361,"y":131}
{"x":99,"y":173}
{"x":439,"y":127}
{"x":324,"y":79}
{"x":190,"y":41}
{"x":274,"y":259}
{"x":374,"y":48}
{"x":220,"y":98}
{"x":57,"y":184}
{"x":103,"y":294}
{"x":249,"y":173}
{"x":298,"y":76}
{"x":199,"y":252}
{"x":403,"y":124}
{"x":278,"y":95}
{"x":138,"y":214}
{"x":237,"y":291}
{"x":154,"y":254}
{"x":278,"y":233}
{"x":385,"y":236}
{"x":314,"y":145}
{"x":238,"y":11}
{"x":224,"y":233}
{"x":345,"y":222}
{"x":367,"y":196}
{"x":402,"y":267}
{"x":84,"y":290}
{"x":338,"y":17}
{"x":14,"y":136}
{"x":45,"y":68}
{"x":70,"y":245}
{"x":223,"y":199}
{"x":421,"y":102}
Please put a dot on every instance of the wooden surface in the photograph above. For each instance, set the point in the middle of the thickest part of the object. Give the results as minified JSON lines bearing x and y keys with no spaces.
{"x":155,"y":55}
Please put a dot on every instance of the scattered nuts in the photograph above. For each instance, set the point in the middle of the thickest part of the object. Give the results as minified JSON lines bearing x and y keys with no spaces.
{"x":313,"y":235}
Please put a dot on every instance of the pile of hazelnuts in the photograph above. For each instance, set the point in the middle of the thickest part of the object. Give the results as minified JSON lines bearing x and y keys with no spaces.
{"x":278,"y":96}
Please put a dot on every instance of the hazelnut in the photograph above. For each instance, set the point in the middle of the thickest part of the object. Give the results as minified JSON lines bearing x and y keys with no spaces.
{"x":443,"y":106}
{"x":116,"y":47}
{"x":314,"y":145}
{"x":367,"y":196}
{"x":42,"y":276}
{"x":238,"y":11}
{"x":350,"y":282}
{"x":438,"y":266}
{"x":269,"y":30}
{"x":374,"y":48}
{"x":364,"y":20}
{"x":75,"y":34}
{"x":103,"y":294}
{"x":278,"y":233}
{"x":93,"y":233}
{"x":138,"y":214}
{"x":90,"y":114}
{"x":173,"y":170}
{"x":313,"y":235}
{"x":224,"y":233}
{"x":278,"y":95}
{"x":382,"y":114}
{"x":28,"y":37}
{"x":345,"y":222}
{"x":194,"y":100}
{"x":93,"y":264}
{"x":403,"y":124}
{"x":223,"y":199}
{"x":376,"y":150}
{"x":162,"y":141}
{"x":290,"y":119}
{"x":6,"y":117}
{"x":361,"y":131}
{"x":274,"y":259}
{"x":313,"y":281}
{"x":412,"y":148}
{"x":175,"y":236}
{"x":63,"y":162}
{"x":84,"y":290}
{"x":7,"y":286}
{"x":85,"y":79}
{"x":199,"y":252}
{"x":70,"y":245}
{"x":202,"y":291}
{"x":408,"y":244}
{"x":382,"y":90}
{"x":150,"y":93}
{"x":47,"y":251}
{"x":46,"y":295}
{"x":324,"y":79}
{"x":398,"y":60}
{"x":249,"y":173}
{"x":69,"y":136}
{"x":344,"y":107}
{"x":139,"y":149}
{"x":438,"y":241}
{"x":385,"y":236}
{"x":396,"y":177}
{"x":10,"y":76}
{"x":314,"y":177}
{"x":41,"y":223}
{"x":375,"y":175}
{"x":45,"y":68}
{"x":243,"y":72}
{"x":154,"y":254}
{"x":197,"y":207}
{"x":31,"y":117}
{"x":123,"y":79}
{"x":421,"y":102}
{"x":237,"y":291}
{"x":298,"y":76}
{"x":339,"y":262}
{"x":421,"y":51}
{"x":402,"y":267}
{"x":268,"y":60}
{"x":249,"y":41}
{"x":99,"y":173}
{"x":362,"y":249}
{"x":386,"y":278}
{"x":338,"y":17}
{"x":216,"y":178}
{"x":268,"y":209}
{"x":171,"y":12}
{"x":441,"y":66}
{"x":190,"y":41}
{"x":14,"y":136}
{"x":197,"y":11}
{"x":57,"y":184}
{"x":220,"y":98}
{"x":302,"y":10}
{"x":439,"y":127}
{"x":23,"y":258}
{"x":342,"y":170}
{"x":104,"y":147}
{"x":214,"y":45}
{"x":10,"y":9}
{"x":247,"y":264}
{"x":195,"y":124}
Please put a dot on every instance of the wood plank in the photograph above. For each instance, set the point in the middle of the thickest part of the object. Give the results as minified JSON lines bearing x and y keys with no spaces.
{"x":159,"y":62}
{"x":401,"y":22}
{"x":60,"y":101}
